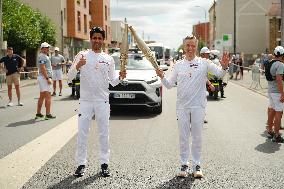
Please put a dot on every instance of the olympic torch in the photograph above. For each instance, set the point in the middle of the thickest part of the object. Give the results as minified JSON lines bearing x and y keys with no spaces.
{"x":144,"y":48}
{"x":124,"y":49}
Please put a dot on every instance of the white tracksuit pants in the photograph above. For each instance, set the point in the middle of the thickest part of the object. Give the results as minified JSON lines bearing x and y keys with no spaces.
{"x":101,"y":110}
{"x":190,"y":123}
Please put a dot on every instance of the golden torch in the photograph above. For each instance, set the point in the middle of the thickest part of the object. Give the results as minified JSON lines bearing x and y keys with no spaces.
{"x":124,"y":49}
{"x":144,"y":48}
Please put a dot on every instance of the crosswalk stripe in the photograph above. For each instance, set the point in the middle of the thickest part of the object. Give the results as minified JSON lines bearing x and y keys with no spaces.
{"x":18,"y":167}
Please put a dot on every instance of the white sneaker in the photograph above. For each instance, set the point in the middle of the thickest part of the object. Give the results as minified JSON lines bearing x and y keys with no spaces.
{"x":184,"y":171}
{"x":10,"y":104}
{"x":197,"y":173}
{"x":20,"y":104}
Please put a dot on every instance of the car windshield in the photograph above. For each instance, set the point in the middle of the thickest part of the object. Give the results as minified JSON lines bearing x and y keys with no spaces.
{"x":135,"y":62}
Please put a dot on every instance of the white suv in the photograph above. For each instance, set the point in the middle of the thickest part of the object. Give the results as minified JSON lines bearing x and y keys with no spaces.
{"x":142,"y":87}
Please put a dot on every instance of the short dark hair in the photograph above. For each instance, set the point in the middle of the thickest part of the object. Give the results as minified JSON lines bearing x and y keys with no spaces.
{"x":9,"y":48}
{"x":97,"y":30}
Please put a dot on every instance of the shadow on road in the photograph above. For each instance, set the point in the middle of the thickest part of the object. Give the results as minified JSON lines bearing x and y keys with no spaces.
{"x":66,"y":98}
{"x":268,"y":147}
{"x":3,"y":107}
{"x":70,"y":182}
{"x":23,"y":123}
{"x":130,"y":113}
{"x":177,"y":182}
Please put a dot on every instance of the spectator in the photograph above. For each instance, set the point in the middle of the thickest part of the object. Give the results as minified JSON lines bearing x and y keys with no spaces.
{"x":276,"y":96}
{"x":13,"y":64}
{"x":57,"y":75}
{"x":44,"y":81}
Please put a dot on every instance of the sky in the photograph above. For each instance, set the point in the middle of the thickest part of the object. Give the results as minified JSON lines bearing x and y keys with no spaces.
{"x":165,"y":21}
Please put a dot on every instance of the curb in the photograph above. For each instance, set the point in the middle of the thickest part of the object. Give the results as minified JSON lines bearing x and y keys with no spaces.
{"x":254,"y":90}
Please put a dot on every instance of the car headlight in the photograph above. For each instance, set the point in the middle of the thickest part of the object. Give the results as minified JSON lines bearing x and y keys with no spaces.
{"x":153,"y":80}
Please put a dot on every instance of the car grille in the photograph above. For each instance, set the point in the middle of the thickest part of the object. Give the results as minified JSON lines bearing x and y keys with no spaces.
{"x":129,"y":87}
{"x":139,"y":99}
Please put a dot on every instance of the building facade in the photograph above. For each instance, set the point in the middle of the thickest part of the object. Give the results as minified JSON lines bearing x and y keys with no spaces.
{"x":252,"y":24}
{"x":274,"y":15}
{"x":73,"y":20}
{"x":117,"y":30}
{"x":78,"y":26}
{"x":201,"y":31}
{"x":100,"y":16}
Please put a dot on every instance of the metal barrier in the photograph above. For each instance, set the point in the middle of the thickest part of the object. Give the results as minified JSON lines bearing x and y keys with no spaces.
{"x":255,"y":77}
{"x":2,"y":80}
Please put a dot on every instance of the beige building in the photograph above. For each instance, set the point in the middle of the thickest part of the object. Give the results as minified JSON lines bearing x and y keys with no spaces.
{"x":56,"y":11}
{"x":274,"y":15}
{"x":117,"y":30}
{"x":252,"y":24}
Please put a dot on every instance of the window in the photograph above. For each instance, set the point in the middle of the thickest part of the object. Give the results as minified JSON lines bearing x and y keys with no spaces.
{"x":90,"y":3}
{"x":64,"y":14}
{"x":79,"y":20}
{"x":279,"y":24}
{"x":105,"y":12}
{"x":85,"y":24}
{"x":106,"y":31}
{"x":85,"y":3}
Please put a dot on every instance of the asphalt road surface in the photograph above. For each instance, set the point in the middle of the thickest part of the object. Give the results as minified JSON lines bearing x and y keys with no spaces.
{"x":144,"y":148}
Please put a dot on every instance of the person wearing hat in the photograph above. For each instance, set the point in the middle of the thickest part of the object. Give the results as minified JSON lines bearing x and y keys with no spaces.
{"x":44,"y":82}
{"x":204,"y":53}
{"x":97,"y":71}
{"x":190,"y":74}
{"x":276,"y":95}
{"x":57,"y":60}
{"x":214,"y":57}
{"x":13,"y":64}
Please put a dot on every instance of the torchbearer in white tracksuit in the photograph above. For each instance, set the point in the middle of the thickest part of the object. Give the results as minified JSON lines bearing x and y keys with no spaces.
{"x":97,"y":71}
{"x":190,"y":74}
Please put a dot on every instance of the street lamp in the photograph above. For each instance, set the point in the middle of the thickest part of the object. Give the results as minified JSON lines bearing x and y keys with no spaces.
{"x":205,"y":11}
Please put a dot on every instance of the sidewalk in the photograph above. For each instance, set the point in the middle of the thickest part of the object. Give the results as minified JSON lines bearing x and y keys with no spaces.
{"x":248,"y":83}
{"x":23,"y":83}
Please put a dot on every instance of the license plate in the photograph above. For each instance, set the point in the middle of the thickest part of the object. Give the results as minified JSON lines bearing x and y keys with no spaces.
{"x":123,"y":95}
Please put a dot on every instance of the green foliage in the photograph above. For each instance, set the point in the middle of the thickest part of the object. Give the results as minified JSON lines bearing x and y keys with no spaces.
{"x":201,"y":44}
{"x":25,"y":28}
{"x":180,"y":48}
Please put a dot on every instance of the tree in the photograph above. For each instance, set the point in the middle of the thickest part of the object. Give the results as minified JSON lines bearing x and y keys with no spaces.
{"x":25,"y":28}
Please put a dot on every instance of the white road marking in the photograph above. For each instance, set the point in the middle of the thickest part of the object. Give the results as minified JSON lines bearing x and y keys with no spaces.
{"x":18,"y":167}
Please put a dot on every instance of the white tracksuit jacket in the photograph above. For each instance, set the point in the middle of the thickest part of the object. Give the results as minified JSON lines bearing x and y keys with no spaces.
{"x":95,"y":77}
{"x":191,"y":77}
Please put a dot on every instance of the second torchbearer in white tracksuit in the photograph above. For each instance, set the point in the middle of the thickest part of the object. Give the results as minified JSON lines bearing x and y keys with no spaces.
{"x":190,"y":74}
{"x":97,"y":71}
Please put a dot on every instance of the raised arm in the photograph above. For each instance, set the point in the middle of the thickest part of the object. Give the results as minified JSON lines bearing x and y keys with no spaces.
{"x":168,"y":82}
{"x":78,"y":62}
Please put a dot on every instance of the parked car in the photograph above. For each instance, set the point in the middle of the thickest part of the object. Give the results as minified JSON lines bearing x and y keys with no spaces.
{"x":142,"y":87}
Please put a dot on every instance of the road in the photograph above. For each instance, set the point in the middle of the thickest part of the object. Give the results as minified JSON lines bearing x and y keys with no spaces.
{"x":18,"y":125}
{"x":144,"y":147}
